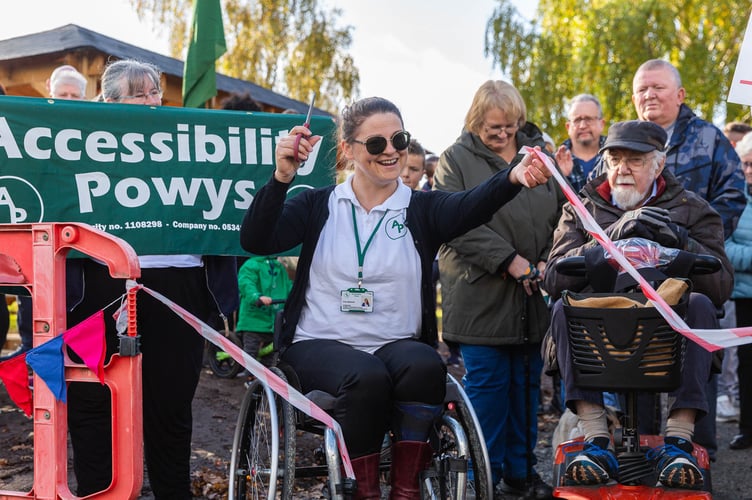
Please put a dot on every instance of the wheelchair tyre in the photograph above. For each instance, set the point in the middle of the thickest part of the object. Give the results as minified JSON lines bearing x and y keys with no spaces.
{"x":262,"y":464}
{"x":221,"y":364}
{"x":479,"y":461}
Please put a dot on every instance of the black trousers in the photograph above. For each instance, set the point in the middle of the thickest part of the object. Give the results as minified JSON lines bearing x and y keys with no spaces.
{"x":744,"y":318}
{"x":4,"y":320}
{"x":24,"y":321}
{"x":366,"y":385}
{"x":171,"y":366}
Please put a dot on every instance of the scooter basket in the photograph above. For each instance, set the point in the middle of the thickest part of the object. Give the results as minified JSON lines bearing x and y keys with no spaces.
{"x":623,"y":349}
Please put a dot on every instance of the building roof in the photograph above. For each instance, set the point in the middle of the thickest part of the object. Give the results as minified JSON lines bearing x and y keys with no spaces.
{"x":71,"y":37}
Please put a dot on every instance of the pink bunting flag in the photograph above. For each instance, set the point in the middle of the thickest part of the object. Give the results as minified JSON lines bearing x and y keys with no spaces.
{"x":87,"y":341}
{"x":15,"y":377}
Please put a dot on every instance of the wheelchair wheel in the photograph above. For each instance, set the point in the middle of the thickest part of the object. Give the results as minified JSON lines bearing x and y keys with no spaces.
{"x":221,"y":363}
{"x":448,"y":478}
{"x":262,"y":465}
{"x":479,"y":468}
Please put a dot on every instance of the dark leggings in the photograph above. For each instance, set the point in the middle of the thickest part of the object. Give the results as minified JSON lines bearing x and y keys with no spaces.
{"x":366,"y":385}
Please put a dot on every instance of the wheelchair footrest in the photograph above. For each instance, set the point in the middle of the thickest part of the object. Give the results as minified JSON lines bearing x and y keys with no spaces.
{"x":348,"y":488}
{"x":635,"y":469}
{"x":444,"y":467}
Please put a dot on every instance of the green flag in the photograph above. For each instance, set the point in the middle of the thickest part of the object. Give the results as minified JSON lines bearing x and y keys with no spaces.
{"x":206,"y":46}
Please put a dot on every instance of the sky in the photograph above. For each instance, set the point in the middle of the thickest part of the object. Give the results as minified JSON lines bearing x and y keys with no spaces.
{"x":426,"y":56}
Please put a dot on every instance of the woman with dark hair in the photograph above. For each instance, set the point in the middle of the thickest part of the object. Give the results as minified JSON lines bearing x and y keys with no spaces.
{"x":360,"y":321}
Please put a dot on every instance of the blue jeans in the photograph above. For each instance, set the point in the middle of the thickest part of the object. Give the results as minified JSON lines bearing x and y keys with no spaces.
{"x":495,"y":384}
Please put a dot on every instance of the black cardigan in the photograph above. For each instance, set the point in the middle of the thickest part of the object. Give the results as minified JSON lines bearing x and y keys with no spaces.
{"x":273,"y":225}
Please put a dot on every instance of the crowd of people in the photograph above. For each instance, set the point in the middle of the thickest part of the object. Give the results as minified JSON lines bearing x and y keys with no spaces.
{"x":481,"y":221}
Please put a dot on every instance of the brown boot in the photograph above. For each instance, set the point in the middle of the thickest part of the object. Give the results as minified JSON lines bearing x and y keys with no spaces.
{"x":366,"y":470}
{"x":409,"y":459}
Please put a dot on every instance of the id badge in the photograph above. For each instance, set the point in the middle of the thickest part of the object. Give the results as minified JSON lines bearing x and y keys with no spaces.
{"x":356,"y":300}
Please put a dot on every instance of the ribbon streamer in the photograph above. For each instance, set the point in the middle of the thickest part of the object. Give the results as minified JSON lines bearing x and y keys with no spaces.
{"x":264,"y":375}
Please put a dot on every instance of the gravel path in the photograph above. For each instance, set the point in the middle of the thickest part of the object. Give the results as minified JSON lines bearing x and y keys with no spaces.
{"x":215,"y":410}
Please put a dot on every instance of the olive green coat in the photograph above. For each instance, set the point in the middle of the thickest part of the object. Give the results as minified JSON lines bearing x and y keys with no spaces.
{"x":481,"y":305}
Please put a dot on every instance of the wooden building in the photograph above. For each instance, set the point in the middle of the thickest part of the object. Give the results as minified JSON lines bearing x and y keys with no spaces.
{"x":26,"y":63}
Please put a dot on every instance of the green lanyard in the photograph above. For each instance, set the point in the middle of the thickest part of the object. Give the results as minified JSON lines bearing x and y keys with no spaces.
{"x":362,"y":253}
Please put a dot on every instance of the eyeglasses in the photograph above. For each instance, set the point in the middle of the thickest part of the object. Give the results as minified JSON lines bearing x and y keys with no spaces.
{"x":584,"y":120}
{"x":497,"y":129}
{"x":633,"y":162}
{"x":746,"y":165}
{"x":377,"y":144}
{"x":143,"y":96}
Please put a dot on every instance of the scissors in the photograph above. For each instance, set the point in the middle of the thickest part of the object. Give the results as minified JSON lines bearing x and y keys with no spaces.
{"x":307,"y":125}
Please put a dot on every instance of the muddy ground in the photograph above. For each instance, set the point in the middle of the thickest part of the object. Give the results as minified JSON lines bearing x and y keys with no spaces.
{"x":215,"y":410}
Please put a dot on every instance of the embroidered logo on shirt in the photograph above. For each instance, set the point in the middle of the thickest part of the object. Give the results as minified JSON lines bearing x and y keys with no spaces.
{"x":395,"y":227}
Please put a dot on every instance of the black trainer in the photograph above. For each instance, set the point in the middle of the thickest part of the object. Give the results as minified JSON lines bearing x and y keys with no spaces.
{"x":511,"y":488}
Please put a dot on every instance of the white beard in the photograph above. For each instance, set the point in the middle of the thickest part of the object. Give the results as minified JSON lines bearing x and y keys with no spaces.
{"x":627,"y":198}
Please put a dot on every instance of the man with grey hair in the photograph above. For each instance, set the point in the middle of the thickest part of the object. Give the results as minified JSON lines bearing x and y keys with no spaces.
{"x":697,"y":152}
{"x":66,"y":82}
{"x":578,"y":155}
{"x":702,"y":159}
{"x":637,"y":197}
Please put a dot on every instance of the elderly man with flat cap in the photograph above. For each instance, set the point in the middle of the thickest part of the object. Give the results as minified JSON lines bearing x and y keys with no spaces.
{"x":636,"y":197}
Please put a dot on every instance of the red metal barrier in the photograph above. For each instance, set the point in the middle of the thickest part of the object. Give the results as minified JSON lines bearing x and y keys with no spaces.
{"x":33,"y":256}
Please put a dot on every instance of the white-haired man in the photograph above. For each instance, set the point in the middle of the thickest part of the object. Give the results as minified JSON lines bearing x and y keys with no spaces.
{"x":637,"y":197}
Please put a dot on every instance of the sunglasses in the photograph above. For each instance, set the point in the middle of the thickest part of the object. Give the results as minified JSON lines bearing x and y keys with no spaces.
{"x":377,"y":144}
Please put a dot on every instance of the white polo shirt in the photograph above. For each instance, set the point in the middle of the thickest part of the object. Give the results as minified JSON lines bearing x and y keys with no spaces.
{"x":391,"y":270}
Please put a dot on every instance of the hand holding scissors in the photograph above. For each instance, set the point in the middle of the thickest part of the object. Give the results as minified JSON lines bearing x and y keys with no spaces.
{"x":292,"y":150}
{"x":307,"y":125}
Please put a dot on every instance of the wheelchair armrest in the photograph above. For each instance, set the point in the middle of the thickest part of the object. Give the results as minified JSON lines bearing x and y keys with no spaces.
{"x":322,"y":399}
{"x":720,"y":312}
{"x":452,"y":392}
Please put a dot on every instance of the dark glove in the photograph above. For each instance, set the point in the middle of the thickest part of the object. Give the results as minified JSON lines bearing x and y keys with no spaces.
{"x":653,"y":216}
{"x":629,"y":225}
{"x":601,"y":274}
{"x":672,"y":236}
{"x":663,"y":231}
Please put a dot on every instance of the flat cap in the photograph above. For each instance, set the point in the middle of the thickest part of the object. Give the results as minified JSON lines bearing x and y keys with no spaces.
{"x":635,"y":135}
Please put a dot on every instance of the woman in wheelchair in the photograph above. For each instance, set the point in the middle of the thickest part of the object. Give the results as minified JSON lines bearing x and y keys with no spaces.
{"x":360,"y":320}
{"x":636,"y":197}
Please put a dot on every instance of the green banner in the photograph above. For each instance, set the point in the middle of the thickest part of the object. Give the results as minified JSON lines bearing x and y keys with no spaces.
{"x":167,"y":180}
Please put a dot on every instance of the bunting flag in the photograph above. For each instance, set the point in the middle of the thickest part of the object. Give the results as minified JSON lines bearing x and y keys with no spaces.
{"x":87,"y":341}
{"x":207,"y":44}
{"x":15,"y":377}
{"x":711,"y":340}
{"x":47,"y":361}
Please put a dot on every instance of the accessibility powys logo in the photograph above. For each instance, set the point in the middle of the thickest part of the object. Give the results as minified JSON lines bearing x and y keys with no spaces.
{"x":20,"y":202}
{"x":395,"y":226}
